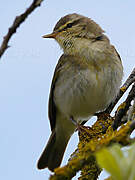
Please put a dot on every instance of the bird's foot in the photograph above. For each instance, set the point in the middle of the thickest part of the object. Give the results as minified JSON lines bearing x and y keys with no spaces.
{"x":80,"y":128}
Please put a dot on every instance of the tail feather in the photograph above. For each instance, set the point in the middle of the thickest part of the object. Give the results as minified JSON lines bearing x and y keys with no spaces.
{"x":53,"y":152}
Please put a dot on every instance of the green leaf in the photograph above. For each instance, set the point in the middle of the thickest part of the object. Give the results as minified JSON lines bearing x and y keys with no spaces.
{"x":131,"y":163}
{"x":119,"y":163}
{"x":107,"y":159}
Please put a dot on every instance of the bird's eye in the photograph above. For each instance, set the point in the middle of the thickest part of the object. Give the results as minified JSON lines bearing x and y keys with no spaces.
{"x":69,"y":25}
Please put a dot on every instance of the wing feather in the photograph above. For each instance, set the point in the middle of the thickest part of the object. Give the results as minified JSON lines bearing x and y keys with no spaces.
{"x":52,"y":110}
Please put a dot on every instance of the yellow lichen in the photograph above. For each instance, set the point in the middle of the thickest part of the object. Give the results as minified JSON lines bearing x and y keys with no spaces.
{"x":122,"y":106}
{"x":123,"y":89}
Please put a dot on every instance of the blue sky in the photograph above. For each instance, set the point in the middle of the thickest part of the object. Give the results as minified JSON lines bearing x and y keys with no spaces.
{"x":26,"y":70}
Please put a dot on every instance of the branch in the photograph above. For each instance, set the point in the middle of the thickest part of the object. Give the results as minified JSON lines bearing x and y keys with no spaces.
{"x":123,"y":108}
{"x":131,"y":112}
{"x":129,"y":81}
{"x":18,"y":20}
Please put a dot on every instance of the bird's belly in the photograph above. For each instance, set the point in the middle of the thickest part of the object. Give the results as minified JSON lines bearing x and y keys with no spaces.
{"x":84,"y":94}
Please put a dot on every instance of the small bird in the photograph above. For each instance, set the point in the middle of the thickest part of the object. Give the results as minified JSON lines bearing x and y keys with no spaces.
{"x":86,"y":79}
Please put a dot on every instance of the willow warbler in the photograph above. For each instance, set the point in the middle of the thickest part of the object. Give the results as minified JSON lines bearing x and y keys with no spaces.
{"x":86,"y":79}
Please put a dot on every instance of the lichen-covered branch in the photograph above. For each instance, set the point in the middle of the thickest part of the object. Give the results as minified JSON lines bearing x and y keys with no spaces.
{"x":91,"y":141}
{"x":131,"y":112}
{"x":18,"y":20}
{"x":123,"y":108}
{"x":129,"y":81}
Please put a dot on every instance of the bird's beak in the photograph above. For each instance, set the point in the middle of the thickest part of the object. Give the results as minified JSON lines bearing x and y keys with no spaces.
{"x":52,"y":35}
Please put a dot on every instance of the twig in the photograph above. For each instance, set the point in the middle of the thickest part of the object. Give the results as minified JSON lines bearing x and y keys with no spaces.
{"x":122,"y":90}
{"x":18,"y":20}
{"x":131,"y":112}
{"x":124,"y":108}
{"x":132,"y":127}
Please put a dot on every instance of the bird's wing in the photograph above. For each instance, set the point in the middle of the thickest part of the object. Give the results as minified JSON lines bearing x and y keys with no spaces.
{"x":65,"y":62}
{"x":113,"y":49}
{"x":52,"y":110}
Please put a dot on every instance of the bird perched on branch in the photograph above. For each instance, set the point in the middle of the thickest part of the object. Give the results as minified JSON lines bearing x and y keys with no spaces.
{"x":86,"y":79}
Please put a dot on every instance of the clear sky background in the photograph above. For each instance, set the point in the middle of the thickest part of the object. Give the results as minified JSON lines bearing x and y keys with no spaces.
{"x":26,"y":70}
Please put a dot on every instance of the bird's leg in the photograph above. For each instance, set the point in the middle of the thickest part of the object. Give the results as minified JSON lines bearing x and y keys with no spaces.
{"x":76,"y":124}
{"x":82,"y":129}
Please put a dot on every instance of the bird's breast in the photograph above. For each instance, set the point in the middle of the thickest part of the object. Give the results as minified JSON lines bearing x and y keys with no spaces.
{"x":82,"y":92}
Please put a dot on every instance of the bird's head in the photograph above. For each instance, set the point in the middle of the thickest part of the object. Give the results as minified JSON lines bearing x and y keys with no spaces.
{"x":73,"y":27}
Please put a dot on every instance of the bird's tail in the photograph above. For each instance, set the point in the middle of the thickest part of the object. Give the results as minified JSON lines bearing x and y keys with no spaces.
{"x":53,"y":152}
